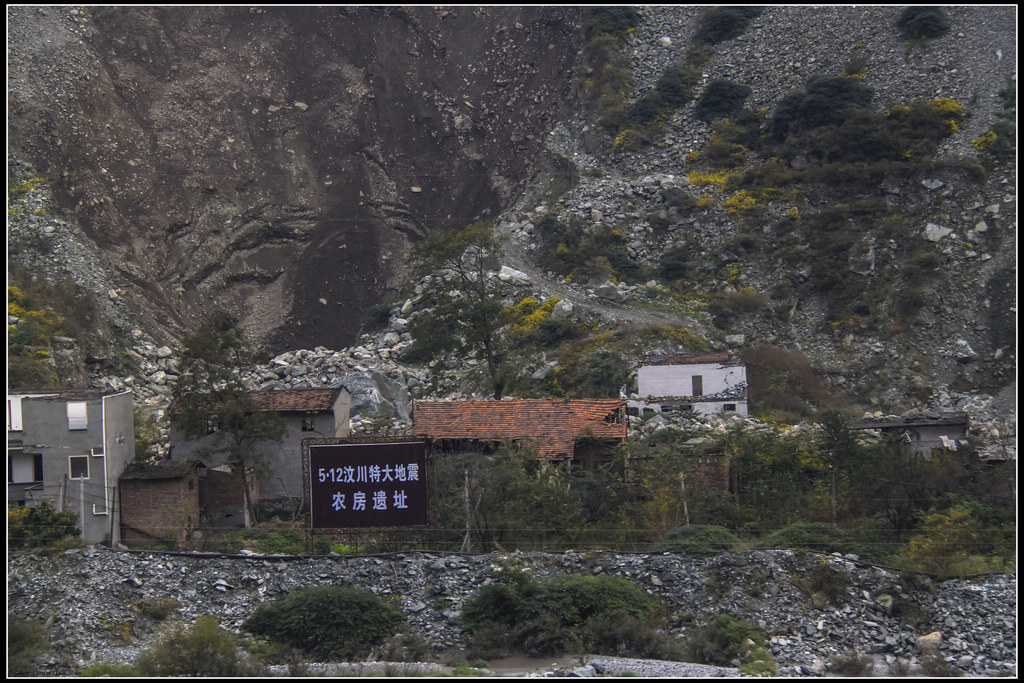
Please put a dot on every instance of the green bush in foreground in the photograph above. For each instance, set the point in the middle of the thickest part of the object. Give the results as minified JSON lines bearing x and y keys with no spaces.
{"x":204,"y":649}
{"x":109,"y":670}
{"x":566,"y":614}
{"x":326,"y":621}
{"x":698,"y":540}
{"x":25,"y":640}
{"x":39,"y":526}
{"x":725,"y":640}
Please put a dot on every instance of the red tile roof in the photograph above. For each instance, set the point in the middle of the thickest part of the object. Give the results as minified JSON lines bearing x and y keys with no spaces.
{"x":308,"y":400}
{"x":557,"y":422}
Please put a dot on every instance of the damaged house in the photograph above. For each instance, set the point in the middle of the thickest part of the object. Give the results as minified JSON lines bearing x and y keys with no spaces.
{"x":68,"y":448}
{"x":709,"y":383}
{"x":924,"y":433}
{"x":160,"y":501}
{"x":307,"y":413}
{"x":563,"y":429}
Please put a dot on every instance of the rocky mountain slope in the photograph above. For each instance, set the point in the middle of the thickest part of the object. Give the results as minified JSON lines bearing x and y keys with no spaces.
{"x":271,"y":167}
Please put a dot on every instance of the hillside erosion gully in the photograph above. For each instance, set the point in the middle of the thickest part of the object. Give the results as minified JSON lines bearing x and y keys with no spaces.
{"x":88,"y":599}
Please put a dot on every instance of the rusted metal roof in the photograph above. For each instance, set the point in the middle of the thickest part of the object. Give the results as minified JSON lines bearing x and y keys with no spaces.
{"x":556,"y":423}
{"x":304,"y":400}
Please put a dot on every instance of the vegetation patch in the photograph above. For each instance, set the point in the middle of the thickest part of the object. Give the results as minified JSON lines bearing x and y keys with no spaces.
{"x":728,"y":638}
{"x":724,"y":23}
{"x":821,"y":536}
{"x":920,"y":23}
{"x":721,"y":99}
{"x":202,"y":649}
{"x":326,"y":621}
{"x":607,"y":77}
{"x":698,"y":540}
{"x":566,"y":614}
{"x":25,"y":641}
{"x":40,"y":526}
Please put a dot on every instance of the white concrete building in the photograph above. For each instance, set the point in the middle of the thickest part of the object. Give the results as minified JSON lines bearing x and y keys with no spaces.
{"x":710,"y":383}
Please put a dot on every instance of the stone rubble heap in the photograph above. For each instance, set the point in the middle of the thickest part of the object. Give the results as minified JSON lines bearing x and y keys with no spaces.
{"x":92,"y":600}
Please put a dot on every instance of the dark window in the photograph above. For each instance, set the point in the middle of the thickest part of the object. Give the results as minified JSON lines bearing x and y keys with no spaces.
{"x":307,"y":424}
{"x":729,"y":408}
{"x":211,"y":426}
{"x":698,"y":385}
{"x":78,"y":466}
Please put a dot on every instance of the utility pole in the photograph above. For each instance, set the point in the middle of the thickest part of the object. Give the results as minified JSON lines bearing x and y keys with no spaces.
{"x":686,"y":511}
{"x":465,"y":540}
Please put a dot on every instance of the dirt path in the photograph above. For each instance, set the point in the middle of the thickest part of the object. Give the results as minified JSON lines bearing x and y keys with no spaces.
{"x":515,"y":257}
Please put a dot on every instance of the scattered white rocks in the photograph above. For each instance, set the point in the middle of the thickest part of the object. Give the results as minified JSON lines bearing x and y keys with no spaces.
{"x":84,"y":596}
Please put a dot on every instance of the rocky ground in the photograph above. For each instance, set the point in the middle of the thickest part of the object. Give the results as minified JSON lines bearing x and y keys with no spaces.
{"x":93,"y":602}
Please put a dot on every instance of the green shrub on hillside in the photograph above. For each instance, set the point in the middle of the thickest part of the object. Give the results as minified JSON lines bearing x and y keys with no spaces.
{"x":698,"y":540}
{"x":949,"y":544}
{"x":676,"y":83}
{"x":918,"y":23}
{"x":326,"y":621}
{"x":607,"y":76}
{"x":824,"y":101}
{"x":723,"y":23}
{"x":824,"y":584}
{"x":615,"y":20}
{"x":724,"y":639}
{"x":567,"y":614}
{"x":808,"y":536}
{"x":721,"y":98}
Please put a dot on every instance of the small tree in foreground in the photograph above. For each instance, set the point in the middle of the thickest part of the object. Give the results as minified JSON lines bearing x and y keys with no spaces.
{"x":467,"y":305}
{"x":39,"y":526}
{"x":210,"y":394}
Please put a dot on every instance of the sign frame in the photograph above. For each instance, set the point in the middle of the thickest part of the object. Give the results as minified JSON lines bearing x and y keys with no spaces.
{"x":362,"y":483}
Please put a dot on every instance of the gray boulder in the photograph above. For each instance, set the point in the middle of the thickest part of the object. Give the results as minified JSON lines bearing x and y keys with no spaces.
{"x":374,"y":395}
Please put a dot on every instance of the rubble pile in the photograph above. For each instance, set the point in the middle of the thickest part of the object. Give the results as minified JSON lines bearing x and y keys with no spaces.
{"x":93,"y":601}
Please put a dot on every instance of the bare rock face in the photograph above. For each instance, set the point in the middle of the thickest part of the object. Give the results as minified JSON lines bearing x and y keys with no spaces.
{"x":271,"y":165}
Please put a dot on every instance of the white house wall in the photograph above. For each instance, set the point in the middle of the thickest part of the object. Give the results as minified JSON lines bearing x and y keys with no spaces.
{"x":677,"y":380}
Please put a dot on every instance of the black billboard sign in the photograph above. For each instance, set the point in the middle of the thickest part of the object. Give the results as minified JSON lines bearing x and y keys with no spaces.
{"x":367,"y":485}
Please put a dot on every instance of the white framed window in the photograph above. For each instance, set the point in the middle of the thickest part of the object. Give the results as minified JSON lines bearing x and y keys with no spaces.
{"x":24,"y":468}
{"x":78,"y":467}
{"x":14,"y":414}
{"x":78,"y":415}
